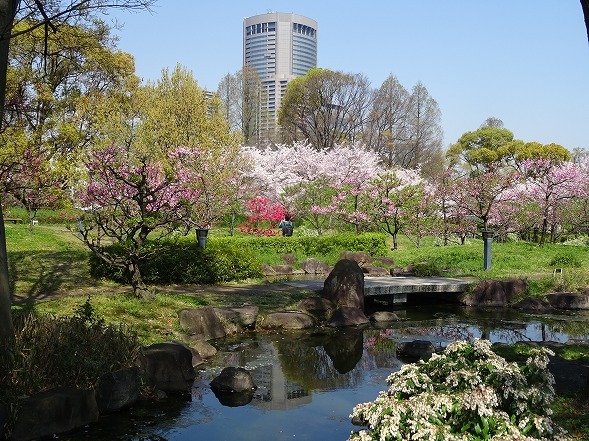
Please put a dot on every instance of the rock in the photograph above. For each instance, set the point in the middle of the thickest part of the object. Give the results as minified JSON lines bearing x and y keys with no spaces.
{"x":237,"y":319}
{"x":384,"y":316}
{"x":360,"y":257}
{"x":495,"y":292}
{"x":415,"y":350}
{"x":117,"y":390}
{"x":233,"y":379}
{"x":314,"y":266}
{"x":384,"y":261}
{"x":344,"y":285}
{"x":289,"y":259}
{"x":54,"y":411}
{"x":202,"y":322}
{"x":282,"y":269}
{"x":288,"y":320}
{"x":267,"y":270}
{"x":196,"y":357}
{"x":375,"y":271}
{"x":533,"y":304}
{"x":347,"y":316}
{"x":316,"y":306}
{"x":568,"y":300}
{"x":167,"y":367}
{"x":204,"y":349}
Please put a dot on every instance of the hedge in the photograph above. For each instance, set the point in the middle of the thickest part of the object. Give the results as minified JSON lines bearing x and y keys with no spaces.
{"x":181,"y":261}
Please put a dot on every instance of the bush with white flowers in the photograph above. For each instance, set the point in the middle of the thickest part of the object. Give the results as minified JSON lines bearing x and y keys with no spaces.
{"x":465,"y":393}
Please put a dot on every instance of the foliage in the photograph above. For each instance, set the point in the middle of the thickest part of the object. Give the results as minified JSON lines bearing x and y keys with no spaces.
{"x":466,"y":393}
{"x":181,"y":261}
{"x":325,"y":108}
{"x":128,"y":197}
{"x":263,"y":217}
{"x":70,"y":351}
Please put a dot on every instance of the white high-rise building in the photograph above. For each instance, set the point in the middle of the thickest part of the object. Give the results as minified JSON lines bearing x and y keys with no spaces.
{"x":279,"y":46}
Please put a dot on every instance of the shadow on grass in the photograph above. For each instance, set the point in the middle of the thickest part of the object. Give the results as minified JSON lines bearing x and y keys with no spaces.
{"x":41,"y":274}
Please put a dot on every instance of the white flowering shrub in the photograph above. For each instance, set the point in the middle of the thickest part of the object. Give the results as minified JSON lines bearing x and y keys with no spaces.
{"x":466,"y":393}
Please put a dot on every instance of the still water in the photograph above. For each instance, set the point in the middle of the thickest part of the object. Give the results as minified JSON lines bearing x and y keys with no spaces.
{"x":308,"y":383}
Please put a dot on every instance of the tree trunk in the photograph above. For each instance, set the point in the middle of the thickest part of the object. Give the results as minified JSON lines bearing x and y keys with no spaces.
{"x":140,"y":289}
{"x":585,"y":6}
{"x":7,"y":13}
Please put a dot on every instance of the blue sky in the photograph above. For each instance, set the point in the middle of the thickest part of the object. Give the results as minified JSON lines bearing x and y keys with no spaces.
{"x":525,"y":62}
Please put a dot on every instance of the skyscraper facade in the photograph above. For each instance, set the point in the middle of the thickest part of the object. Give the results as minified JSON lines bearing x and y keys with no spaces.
{"x":279,"y":47}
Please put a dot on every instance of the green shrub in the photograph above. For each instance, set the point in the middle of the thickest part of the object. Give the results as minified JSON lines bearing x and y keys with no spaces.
{"x":50,"y":352}
{"x":181,"y":261}
{"x":428,"y":269}
{"x":565,"y":261}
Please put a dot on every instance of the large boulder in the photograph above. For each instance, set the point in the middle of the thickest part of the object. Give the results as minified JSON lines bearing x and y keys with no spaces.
{"x":233,"y":379}
{"x":495,"y":292}
{"x":202,"y":322}
{"x":204,"y":348}
{"x":344,"y":285}
{"x":237,"y":319}
{"x":568,"y":300}
{"x":314,"y":266}
{"x":347,"y":316}
{"x":375,"y":271}
{"x":167,"y":367}
{"x":288,"y":320}
{"x":276,"y":270}
{"x":360,"y":257}
{"x":117,"y":390}
{"x":316,"y":306}
{"x":54,"y":411}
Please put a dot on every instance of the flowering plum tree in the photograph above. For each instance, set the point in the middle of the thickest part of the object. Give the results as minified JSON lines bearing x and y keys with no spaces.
{"x":127,"y":198}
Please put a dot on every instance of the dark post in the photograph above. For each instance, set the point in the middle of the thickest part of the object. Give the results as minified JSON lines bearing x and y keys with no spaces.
{"x":201,"y":235}
{"x":487,"y":240}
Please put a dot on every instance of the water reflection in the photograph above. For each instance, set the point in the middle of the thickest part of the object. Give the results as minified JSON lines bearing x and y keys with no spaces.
{"x":308,"y":383}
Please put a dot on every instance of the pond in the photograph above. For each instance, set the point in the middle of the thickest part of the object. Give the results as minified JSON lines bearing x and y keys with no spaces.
{"x":308,"y":383}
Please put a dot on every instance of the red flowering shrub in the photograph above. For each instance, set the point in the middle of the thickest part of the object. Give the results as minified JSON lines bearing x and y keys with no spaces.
{"x":263,"y":217}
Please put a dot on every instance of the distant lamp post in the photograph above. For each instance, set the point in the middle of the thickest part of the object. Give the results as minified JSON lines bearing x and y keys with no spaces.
{"x":487,"y":241}
{"x":201,"y":235}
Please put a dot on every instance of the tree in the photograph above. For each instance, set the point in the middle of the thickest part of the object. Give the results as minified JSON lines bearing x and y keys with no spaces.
{"x":49,"y":16}
{"x":386,"y":130}
{"x":423,"y":145}
{"x":53,"y":81}
{"x":325,"y":108}
{"x":481,"y":149}
{"x":390,"y":202}
{"x":242,"y":95}
{"x":128,"y":196}
{"x":550,"y":184}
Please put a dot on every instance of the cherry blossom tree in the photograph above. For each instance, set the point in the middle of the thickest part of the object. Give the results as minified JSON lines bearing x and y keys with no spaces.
{"x":392,"y":202}
{"x":484,"y":191}
{"x":549,"y":185}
